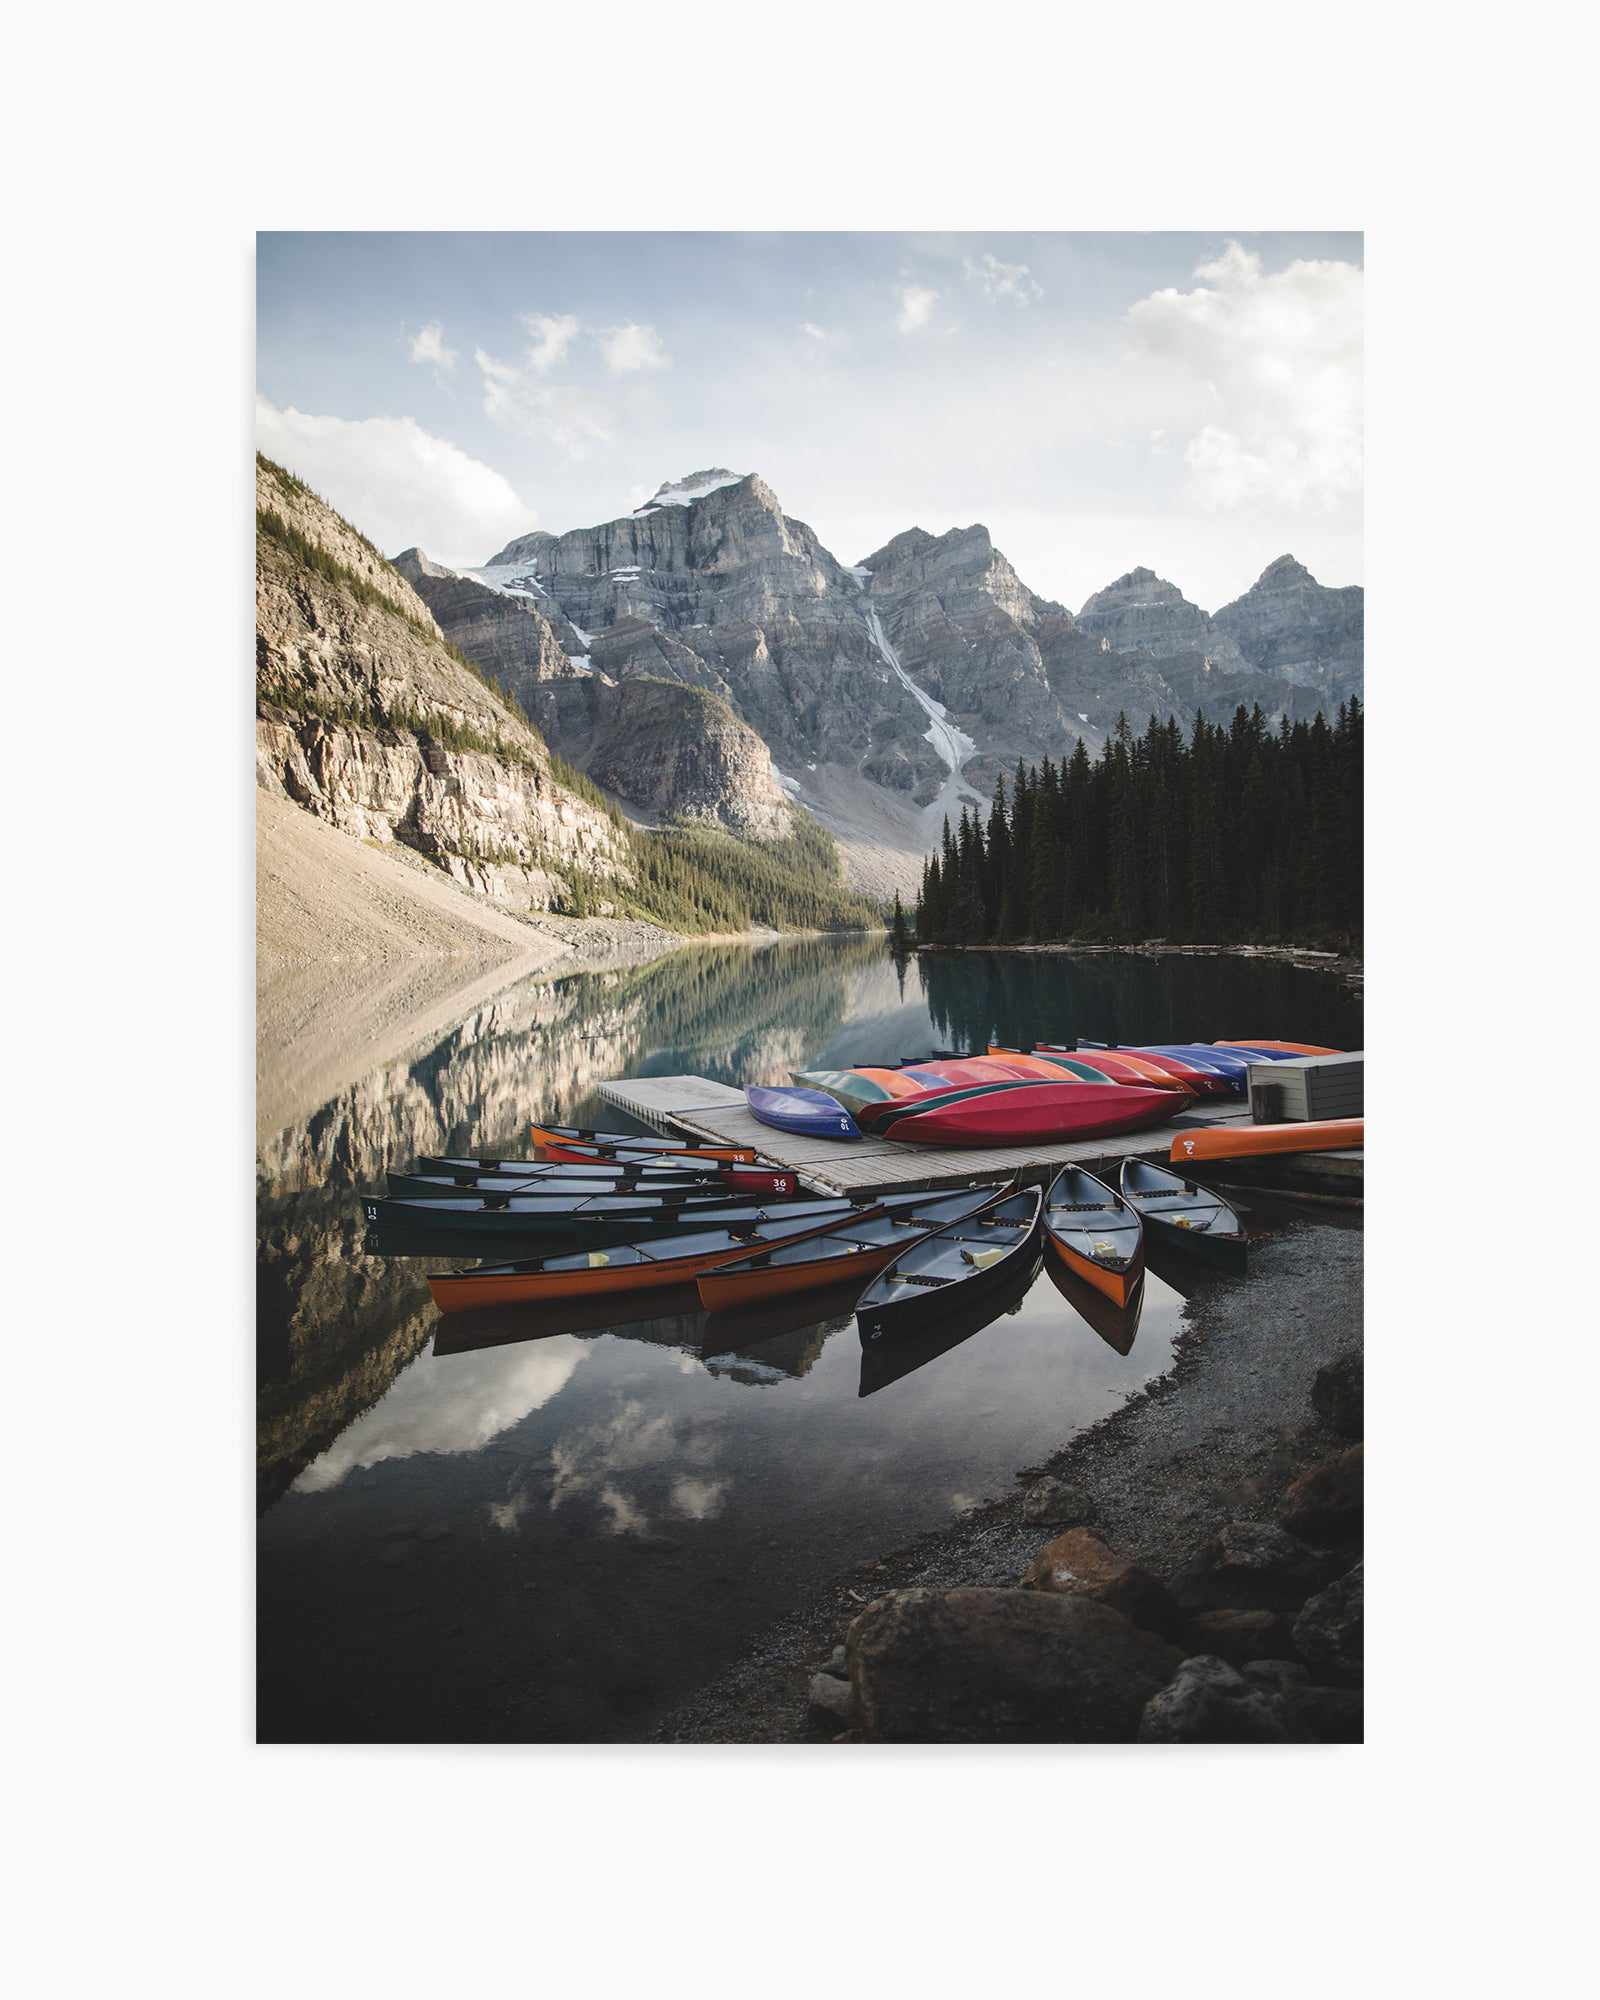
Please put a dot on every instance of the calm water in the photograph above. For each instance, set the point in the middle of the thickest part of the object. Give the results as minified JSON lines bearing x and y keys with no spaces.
{"x":543,"y":1529}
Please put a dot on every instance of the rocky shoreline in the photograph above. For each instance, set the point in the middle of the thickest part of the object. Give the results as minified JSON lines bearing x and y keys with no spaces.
{"x":1189,"y":1570}
{"x":1341,"y":966}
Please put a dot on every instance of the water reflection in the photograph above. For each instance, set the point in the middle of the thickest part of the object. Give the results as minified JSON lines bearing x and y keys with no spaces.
{"x":887,"y":1361}
{"x":1116,"y":1325}
{"x":536,"y":1524}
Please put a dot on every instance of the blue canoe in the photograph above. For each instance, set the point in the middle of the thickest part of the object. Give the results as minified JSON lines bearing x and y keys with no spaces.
{"x":812,"y":1113}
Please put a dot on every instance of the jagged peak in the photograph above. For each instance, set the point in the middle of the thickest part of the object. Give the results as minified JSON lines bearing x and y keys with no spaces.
{"x":695,"y":486}
{"x":1136,"y":586}
{"x":1281,"y":573}
{"x":413,"y":562}
{"x":521,"y":548}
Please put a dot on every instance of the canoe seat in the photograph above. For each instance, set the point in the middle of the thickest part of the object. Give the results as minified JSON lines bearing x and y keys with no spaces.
{"x":1081,"y":1207}
{"x":914,"y":1278}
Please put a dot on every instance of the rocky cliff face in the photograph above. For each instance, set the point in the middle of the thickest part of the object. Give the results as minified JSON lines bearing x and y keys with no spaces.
{"x":636,"y":709}
{"x":366,"y":719}
{"x":1312,"y":636}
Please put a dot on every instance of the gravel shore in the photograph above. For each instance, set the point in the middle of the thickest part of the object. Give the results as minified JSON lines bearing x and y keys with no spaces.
{"x":1215,"y":1440}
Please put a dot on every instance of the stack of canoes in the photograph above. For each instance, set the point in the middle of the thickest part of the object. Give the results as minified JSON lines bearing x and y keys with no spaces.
{"x":1003,"y":1096}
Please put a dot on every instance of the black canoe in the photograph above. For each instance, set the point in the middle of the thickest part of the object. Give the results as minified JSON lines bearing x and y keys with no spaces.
{"x":576,"y":1216}
{"x":947,"y":1271}
{"x":448,"y":1187}
{"x":884,"y":1362}
{"x":479,"y":1168}
{"x":1184,"y":1217}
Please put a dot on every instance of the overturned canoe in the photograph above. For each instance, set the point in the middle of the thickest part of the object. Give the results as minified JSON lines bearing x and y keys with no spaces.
{"x":1202,"y":1078}
{"x":1183,"y":1217}
{"x":813,"y":1114}
{"x":1118,"y":1065}
{"x":1246,"y":1142}
{"x":855,"y":1250}
{"x":952,"y":1268}
{"x":623,"y":1267}
{"x":1094,"y":1233}
{"x":1283,"y":1048}
{"x":1023,"y":1113}
{"x":1031,"y":1063}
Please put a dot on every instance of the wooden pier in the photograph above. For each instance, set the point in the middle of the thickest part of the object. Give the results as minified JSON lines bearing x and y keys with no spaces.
{"x":693,"y":1107}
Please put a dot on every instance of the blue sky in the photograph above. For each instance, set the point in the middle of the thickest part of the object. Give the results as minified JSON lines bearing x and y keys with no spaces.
{"x":1189,"y":401}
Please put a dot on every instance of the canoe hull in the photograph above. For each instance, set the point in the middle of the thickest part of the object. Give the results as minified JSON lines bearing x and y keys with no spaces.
{"x":1249,"y":1142}
{"x":879,"y":1318}
{"x":734,"y":1291}
{"x":1117,"y":1286}
{"x":1027,"y":1113}
{"x":570,"y":1142}
{"x":812,"y":1114}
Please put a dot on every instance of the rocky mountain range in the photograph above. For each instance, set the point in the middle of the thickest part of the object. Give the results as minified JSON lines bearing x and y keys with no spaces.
{"x":706,"y":656}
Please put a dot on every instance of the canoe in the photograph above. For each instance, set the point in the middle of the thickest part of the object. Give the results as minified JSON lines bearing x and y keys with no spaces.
{"x":1120,"y":1067}
{"x":448,"y":1187}
{"x":574,"y":1217}
{"x":1020,"y":1114}
{"x":811,"y":1113}
{"x":634,"y":1167}
{"x":1245,"y":1142}
{"x":724,"y":1176}
{"x":1031,"y":1063}
{"x":857,"y":1251}
{"x":1194,"y":1076}
{"x":885,"y":1362}
{"x":561,"y":1142}
{"x":477,"y":1327}
{"x":1094,"y":1233}
{"x":623,"y":1267}
{"x":854,"y":1088}
{"x":954,"y":1267}
{"x":1117,"y":1326}
{"x":1183,"y":1217}
{"x":1284,"y":1048}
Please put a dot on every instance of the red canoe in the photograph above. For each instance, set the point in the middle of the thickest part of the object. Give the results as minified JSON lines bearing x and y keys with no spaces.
{"x":1024,"y":1114}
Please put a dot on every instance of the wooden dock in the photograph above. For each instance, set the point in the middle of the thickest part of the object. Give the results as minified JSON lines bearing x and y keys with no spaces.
{"x":693,"y":1107}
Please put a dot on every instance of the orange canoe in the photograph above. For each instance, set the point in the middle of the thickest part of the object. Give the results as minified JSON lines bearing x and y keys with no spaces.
{"x":1244,"y":1142}
{"x":549,"y":1143}
{"x":623,"y":1267}
{"x":1120,"y":1066}
{"x":1284,"y":1048}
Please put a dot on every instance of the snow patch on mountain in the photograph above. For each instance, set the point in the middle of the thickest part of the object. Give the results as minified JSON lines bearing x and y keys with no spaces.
{"x":683,"y":492}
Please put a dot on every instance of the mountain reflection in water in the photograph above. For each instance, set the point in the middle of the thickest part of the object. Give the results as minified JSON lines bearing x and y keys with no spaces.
{"x":542,"y":1525}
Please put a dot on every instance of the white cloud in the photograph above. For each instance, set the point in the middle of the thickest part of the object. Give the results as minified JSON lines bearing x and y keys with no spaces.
{"x":552,"y":335}
{"x":1014,"y":283}
{"x":450,"y":1405}
{"x":396,"y":482}
{"x":428,"y":347}
{"x":698,"y":1499}
{"x":627,"y":349}
{"x":812,"y":331}
{"x":516,"y":396}
{"x":916,"y":307}
{"x":1277,"y":361}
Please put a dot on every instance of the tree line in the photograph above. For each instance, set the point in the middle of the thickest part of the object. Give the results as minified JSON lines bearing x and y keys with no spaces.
{"x":1231,"y":834}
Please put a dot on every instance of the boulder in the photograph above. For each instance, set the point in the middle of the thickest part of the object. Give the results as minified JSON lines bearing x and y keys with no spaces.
{"x":1080,"y":1564}
{"x":1239,"y":1636}
{"x":1324,"y":1504}
{"x":1336,"y":1394}
{"x":831,"y":1697}
{"x":1056,"y":1502}
{"x":1327,"y":1634}
{"x":1207,"y":1701}
{"x":1001,"y":1666}
{"x":1250,"y":1565}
